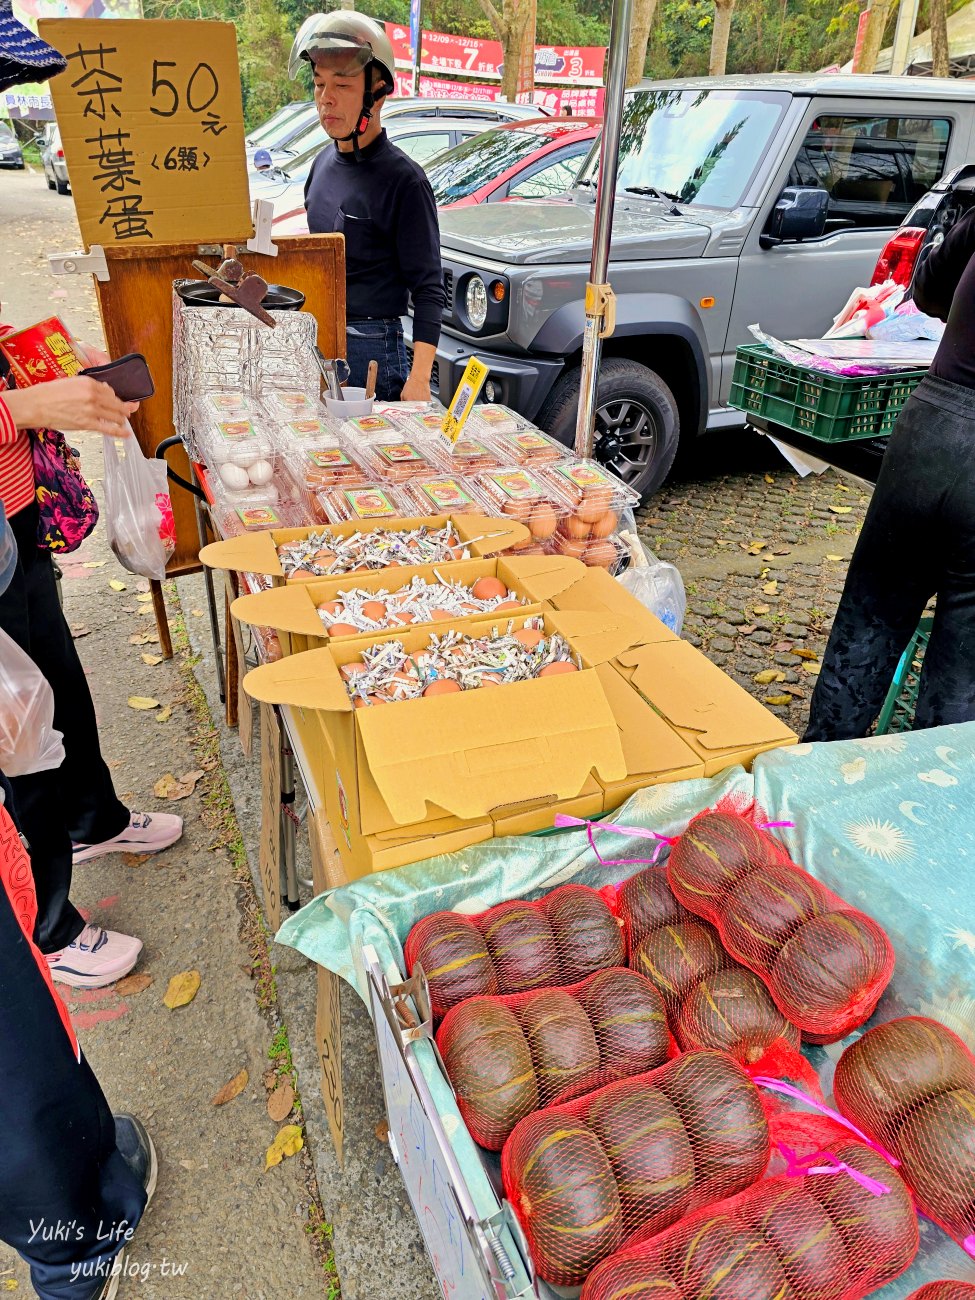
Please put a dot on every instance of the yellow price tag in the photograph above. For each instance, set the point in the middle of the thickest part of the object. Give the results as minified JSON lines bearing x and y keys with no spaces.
{"x":471,"y":382}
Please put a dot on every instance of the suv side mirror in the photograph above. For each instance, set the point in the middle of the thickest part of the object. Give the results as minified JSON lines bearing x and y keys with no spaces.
{"x":799,"y":213}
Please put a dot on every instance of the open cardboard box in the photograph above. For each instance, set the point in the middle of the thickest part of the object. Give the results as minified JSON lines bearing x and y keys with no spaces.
{"x":467,"y":757}
{"x":258,"y":552}
{"x":598,"y":592}
{"x":717,"y":719}
{"x":292,"y":610}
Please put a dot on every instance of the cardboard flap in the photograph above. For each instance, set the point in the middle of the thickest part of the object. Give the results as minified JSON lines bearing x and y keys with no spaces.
{"x":250,"y":553}
{"x":286,"y":609}
{"x":597,"y":591}
{"x":491,"y":535}
{"x":649,"y":745}
{"x":598,"y":637}
{"x":694,"y":694}
{"x":548,"y":575}
{"x":486,"y":748}
{"x":306,"y":681}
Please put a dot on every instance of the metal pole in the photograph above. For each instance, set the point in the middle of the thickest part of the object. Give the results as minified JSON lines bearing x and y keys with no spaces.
{"x":903,"y":35}
{"x":600,"y":302}
{"x":416,"y":33}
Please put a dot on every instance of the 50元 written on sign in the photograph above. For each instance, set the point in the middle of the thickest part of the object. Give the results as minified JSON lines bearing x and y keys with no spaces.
{"x":152,"y":129}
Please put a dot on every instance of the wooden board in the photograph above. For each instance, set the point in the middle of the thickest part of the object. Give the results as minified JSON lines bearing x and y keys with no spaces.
{"x":137,"y":316}
{"x":270,"y":851}
{"x":328,"y":1042}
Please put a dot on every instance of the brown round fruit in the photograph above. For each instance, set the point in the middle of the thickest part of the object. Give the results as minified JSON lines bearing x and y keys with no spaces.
{"x":765,"y":909}
{"x":829,"y":976}
{"x":557,"y":1177}
{"x":734,"y":1012}
{"x":455,"y":958}
{"x":522,"y":946}
{"x":807,"y":1242}
{"x":586,"y":932}
{"x":562,"y":1044}
{"x":490,"y":1066}
{"x":945,"y":1291}
{"x":723,"y":1260}
{"x":937,"y":1149}
{"x":677,"y":957}
{"x":630,"y":1279}
{"x":714,"y":853}
{"x":646,"y":902}
{"x":629,"y":1020}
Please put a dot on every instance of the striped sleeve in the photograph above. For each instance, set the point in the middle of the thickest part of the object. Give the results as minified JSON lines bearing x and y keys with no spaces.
{"x":8,"y":430}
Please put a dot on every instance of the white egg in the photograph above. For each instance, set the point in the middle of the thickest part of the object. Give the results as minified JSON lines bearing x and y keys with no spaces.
{"x":261,"y":472}
{"x":233,"y":476}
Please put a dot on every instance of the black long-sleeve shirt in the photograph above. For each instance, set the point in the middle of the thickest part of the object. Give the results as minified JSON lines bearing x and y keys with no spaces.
{"x":945,"y":287}
{"x":385,"y":208}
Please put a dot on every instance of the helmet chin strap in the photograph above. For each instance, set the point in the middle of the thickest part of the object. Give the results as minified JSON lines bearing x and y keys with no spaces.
{"x":369,"y":100}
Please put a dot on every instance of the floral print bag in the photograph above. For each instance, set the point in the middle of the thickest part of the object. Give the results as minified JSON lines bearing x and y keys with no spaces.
{"x":67,"y":506}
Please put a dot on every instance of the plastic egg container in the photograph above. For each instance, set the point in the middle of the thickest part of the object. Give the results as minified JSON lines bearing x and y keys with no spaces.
{"x":253,"y":515}
{"x":526,"y":496}
{"x":394,"y":460}
{"x":316,"y":468}
{"x":472,"y":454}
{"x":364,"y":501}
{"x":239,"y":453}
{"x":597,"y":499}
{"x":291,"y":404}
{"x":445,"y":494}
{"x":317,"y":430}
{"x":357,"y":610}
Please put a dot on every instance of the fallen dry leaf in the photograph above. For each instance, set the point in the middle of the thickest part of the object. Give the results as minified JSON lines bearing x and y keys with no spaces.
{"x":841,"y":510}
{"x":806,"y":654}
{"x":841,"y":487}
{"x":79,"y":631}
{"x":754,"y":548}
{"x":171,"y":787}
{"x":287,"y":1143}
{"x":382,"y":1131}
{"x":781,"y":647}
{"x":116,"y":585}
{"x":143,"y":638}
{"x":197,"y":613}
{"x":142,"y":702}
{"x":782,"y":550}
{"x":768,"y":675}
{"x":230,"y":1090}
{"x":834,"y":558}
{"x":769,"y":478}
{"x":778,"y":699}
{"x":130,"y":985}
{"x":270,"y":1076}
{"x":760,"y":609}
{"x":135,"y":859}
{"x":152,"y":660}
{"x":281,"y":1102}
{"x":165,"y":713}
{"x":183,"y":988}
{"x":812,"y":669}
{"x":797,"y":691}
{"x":9,"y":1284}
{"x":93,"y":564}
{"x":771,"y":588}
{"x":747,"y":629}
{"x":144,"y":596}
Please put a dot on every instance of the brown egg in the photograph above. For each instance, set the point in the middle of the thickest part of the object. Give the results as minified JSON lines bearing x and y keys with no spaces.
{"x":272,"y":649}
{"x":442,"y":686}
{"x":517,"y":509}
{"x":457,"y":552}
{"x":488,"y":588}
{"x":601,"y":555}
{"x":374,"y":609}
{"x":323,"y":558}
{"x":491,"y":679}
{"x":348,"y":671}
{"x":343,"y":629}
{"x":575,"y":526}
{"x":595,"y":502}
{"x":507,"y":606}
{"x":404,"y":616}
{"x":333,"y":607}
{"x":529,"y":636}
{"x":543,"y":521}
{"x":440,"y":615}
{"x":363,"y":702}
{"x":606,"y":524}
{"x":571,"y":546}
{"x":521,"y":546}
{"x":558,"y":668}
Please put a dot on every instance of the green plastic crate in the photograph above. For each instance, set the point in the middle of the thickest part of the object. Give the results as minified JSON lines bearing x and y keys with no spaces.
{"x":901,"y":702}
{"x":832,"y":408}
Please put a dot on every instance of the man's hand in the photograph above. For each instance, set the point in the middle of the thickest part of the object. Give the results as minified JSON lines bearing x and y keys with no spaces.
{"x":416,"y":388}
{"x":71,"y":405}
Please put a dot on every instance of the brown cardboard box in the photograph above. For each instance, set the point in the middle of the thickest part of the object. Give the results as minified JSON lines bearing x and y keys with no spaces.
{"x":291,"y":610}
{"x":539,"y":814}
{"x":654,"y":753}
{"x":450,"y":760}
{"x":598,"y":592}
{"x":257,"y":552}
{"x":716,"y":717}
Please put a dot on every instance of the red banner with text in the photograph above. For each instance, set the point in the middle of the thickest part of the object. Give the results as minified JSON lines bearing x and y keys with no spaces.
{"x":584,"y":101}
{"x":468,"y":56}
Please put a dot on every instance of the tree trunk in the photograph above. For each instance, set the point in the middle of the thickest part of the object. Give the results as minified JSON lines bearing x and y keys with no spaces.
{"x":940,"y":60}
{"x":636,"y":59}
{"x":723,"y":9}
{"x":526,"y":12}
{"x":874,"y":38}
{"x":515,"y":29}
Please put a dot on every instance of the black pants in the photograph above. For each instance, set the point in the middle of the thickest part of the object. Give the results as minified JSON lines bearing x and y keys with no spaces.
{"x":918,"y":539}
{"x":380,"y":341}
{"x":77,"y":801}
{"x":67,"y":1197}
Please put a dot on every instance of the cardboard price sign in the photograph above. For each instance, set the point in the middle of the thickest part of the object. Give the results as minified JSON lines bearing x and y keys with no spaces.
{"x":153,"y":130}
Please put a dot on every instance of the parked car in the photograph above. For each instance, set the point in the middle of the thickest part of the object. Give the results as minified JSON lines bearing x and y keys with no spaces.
{"x":52,"y":159}
{"x":277,"y":122}
{"x":285,"y":187}
{"x":739,"y":199}
{"x":519,"y":160}
{"x":10,"y":151}
{"x":280,"y":136}
{"x":925,"y":226}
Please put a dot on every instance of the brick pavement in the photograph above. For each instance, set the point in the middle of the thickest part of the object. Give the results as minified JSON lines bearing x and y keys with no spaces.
{"x":735,"y":522}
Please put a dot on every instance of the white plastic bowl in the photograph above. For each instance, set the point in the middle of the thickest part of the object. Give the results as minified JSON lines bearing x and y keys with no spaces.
{"x":355,"y":404}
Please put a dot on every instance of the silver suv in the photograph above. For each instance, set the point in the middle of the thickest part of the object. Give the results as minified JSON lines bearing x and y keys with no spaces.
{"x":740,"y":199}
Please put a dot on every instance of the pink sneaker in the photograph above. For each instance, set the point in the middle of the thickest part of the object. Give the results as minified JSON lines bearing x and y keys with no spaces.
{"x":96,"y":958}
{"x":145,"y":833}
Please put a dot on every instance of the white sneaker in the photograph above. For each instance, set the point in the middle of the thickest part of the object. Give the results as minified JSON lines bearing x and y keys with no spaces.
{"x":145,"y":833}
{"x":96,"y":958}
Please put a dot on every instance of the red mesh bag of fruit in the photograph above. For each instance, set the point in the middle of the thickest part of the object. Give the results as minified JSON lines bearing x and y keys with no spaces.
{"x":507,"y":1056}
{"x":910,"y":1084}
{"x":557,"y":940}
{"x":818,"y":1237}
{"x":824,"y":962}
{"x":711,"y":1000}
{"x":945,"y":1291}
{"x":621,"y":1164}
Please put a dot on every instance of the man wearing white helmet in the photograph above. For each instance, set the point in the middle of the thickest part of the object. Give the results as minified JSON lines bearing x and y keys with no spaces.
{"x":381,"y":201}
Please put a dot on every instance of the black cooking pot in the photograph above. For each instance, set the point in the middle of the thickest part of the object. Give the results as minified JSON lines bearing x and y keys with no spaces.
{"x":197,"y":293}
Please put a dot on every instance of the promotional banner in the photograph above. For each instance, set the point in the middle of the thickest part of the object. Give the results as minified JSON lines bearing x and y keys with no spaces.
{"x":584,"y":101}
{"x":471,"y":57}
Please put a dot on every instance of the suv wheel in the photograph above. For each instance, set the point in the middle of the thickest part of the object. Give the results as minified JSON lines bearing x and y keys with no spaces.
{"x":637,"y":421}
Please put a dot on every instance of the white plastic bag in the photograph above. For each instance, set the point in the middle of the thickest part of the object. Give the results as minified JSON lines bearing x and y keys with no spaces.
{"x":134,"y":514}
{"x":28,"y":741}
{"x":653,"y":582}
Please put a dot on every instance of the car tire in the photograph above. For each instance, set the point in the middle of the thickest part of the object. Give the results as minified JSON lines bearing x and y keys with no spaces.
{"x":637,"y":421}
{"x":62,"y":187}
{"x":51,"y":185}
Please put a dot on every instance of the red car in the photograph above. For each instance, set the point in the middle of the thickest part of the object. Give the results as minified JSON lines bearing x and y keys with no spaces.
{"x":537,"y":159}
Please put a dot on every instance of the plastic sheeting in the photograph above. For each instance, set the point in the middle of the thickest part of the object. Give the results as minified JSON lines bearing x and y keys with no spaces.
{"x":888,"y":822}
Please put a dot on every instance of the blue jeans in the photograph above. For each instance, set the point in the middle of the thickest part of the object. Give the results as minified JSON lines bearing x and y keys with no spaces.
{"x":381,"y":341}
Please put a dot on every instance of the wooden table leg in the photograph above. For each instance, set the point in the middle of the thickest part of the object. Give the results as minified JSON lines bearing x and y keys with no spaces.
{"x":232,"y":681}
{"x":162,"y":619}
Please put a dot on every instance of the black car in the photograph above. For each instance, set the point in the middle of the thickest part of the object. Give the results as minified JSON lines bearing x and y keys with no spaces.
{"x":10,"y":152}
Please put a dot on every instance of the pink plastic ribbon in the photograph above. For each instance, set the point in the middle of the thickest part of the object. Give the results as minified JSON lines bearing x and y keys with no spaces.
{"x":800,"y":1166}
{"x":562,"y":820}
{"x":788,"y":1090}
{"x":767,"y":826}
{"x":968,"y":1245}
